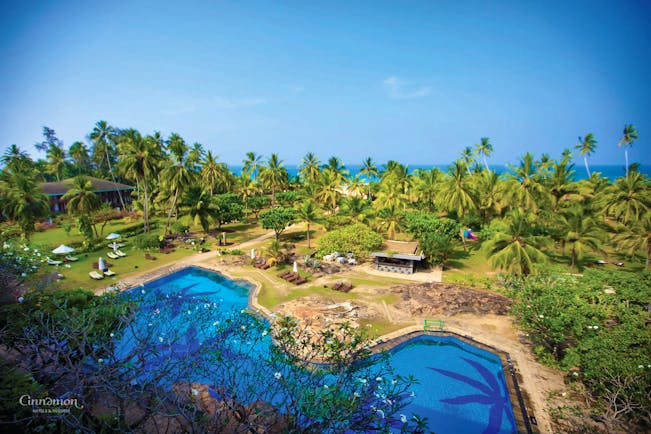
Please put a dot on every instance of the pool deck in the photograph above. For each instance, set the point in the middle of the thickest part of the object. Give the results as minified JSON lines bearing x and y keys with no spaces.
{"x":517,"y":359}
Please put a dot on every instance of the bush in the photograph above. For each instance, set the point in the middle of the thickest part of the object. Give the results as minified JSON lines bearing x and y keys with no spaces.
{"x":178,"y":228}
{"x":147,"y":241}
{"x":358,"y":239}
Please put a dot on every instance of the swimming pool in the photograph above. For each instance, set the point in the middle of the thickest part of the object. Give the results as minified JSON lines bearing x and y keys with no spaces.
{"x":461,"y":388}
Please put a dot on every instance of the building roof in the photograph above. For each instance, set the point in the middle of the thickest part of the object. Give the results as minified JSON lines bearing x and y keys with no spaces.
{"x":61,"y":187}
{"x":399,"y":256}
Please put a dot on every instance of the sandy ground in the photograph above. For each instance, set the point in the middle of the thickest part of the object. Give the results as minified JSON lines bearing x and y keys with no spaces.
{"x":537,"y":381}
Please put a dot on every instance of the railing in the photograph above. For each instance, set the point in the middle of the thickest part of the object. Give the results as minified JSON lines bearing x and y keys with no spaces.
{"x":433,"y":324}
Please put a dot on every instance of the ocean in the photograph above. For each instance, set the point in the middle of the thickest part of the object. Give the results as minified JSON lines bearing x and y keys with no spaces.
{"x":608,"y":171}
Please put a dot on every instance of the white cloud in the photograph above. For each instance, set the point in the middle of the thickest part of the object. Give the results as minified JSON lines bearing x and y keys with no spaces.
{"x":400,"y":89}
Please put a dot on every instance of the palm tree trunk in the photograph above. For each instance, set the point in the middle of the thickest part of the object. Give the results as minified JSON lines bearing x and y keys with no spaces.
{"x":626,"y":157}
{"x":169,"y":215}
{"x":308,"y":240}
{"x":486,"y":164}
{"x":648,"y":254}
{"x":587,"y":168}
{"x":146,"y":207}
{"x":108,"y":161}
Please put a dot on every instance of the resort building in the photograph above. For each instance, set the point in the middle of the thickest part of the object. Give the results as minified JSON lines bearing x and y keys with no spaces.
{"x":400,"y":257}
{"x":106,"y":190}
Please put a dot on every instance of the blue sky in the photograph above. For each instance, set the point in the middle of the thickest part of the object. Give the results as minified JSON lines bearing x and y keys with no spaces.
{"x":405,"y":80}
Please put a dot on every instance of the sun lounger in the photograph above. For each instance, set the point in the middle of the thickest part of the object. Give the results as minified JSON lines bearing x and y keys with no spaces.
{"x":52,"y":262}
{"x":112,"y":255}
{"x":120,"y":253}
{"x":118,"y":245}
{"x":110,"y":273}
{"x":337,"y":286}
{"x":150,"y":257}
{"x":71,"y":258}
{"x":284,"y":274}
{"x":95,"y":275}
{"x":300,"y":280}
{"x":346,"y":287}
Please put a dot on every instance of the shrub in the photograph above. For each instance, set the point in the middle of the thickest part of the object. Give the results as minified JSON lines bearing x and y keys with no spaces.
{"x":147,"y":241}
{"x":178,"y":228}
{"x":358,"y":239}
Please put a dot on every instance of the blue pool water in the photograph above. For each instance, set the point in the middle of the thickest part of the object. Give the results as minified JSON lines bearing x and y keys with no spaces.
{"x":461,"y":388}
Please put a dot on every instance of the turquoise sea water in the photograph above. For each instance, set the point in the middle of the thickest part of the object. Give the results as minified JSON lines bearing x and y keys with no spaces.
{"x":608,"y":171}
{"x":462,"y":388}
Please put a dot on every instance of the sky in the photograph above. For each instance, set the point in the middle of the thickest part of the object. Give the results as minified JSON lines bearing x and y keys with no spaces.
{"x":405,"y":80}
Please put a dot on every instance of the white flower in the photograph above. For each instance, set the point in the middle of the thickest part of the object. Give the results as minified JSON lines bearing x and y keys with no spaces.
{"x":143,"y":291}
{"x":150,"y":324}
{"x":278,"y":375}
{"x":189,"y":312}
{"x":195,"y":392}
{"x":575,"y":374}
{"x":380,"y":413}
{"x":243,"y":328}
{"x":26,"y":249}
{"x":362,"y":380}
{"x":378,"y":379}
{"x":595,"y":327}
{"x":264,"y":333}
{"x":215,"y":323}
{"x":640,"y":366}
{"x":23,"y":274}
{"x":564,"y":394}
{"x":325,"y":386}
{"x":21,"y":299}
{"x":100,"y":360}
{"x":394,"y":382}
{"x":541,"y":316}
{"x":403,"y":418}
{"x":412,"y":394}
{"x":112,"y":335}
{"x":356,"y":395}
{"x":160,"y":339}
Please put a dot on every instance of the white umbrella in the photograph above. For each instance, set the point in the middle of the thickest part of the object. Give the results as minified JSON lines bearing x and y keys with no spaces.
{"x":295,"y":267}
{"x":63,"y":250}
{"x":252,"y":253}
{"x":112,"y":236}
{"x":101,"y":264}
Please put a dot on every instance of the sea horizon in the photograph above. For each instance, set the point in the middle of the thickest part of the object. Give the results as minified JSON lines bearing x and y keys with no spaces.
{"x":610,"y":171}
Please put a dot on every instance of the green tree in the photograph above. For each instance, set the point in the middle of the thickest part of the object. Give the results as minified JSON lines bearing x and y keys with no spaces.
{"x":579,"y":232}
{"x":274,"y":176}
{"x":82,"y":201}
{"x":456,"y":192}
{"x":228,"y":208}
{"x":358,"y":239}
{"x":586,"y":147}
{"x":633,"y":238}
{"x":369,"y":170}
{"x":56,"y":159}
{"x":628,"y":137}
{"x":490,"y":195}
{"x":309,"y":169}
{"x":485,"y":149}
{"x":16,"y":160}
{"x":23,"y":200}
{"x":525,"y":188}
{"x":251,"y":164}
{"x":307,"y":212}
{"x":514,"y":247}
{"x":140,"y":160}
{"x":468,"y":158}
{"x":79,"y":153}
{"x":277,"y":219}
{"x":628,"y":198}
{"x":177,"y":176}
{"x":103,"y":138}
{"x":211,"y":173}
{"x":427,"y":184}
{"x":199,"y":206}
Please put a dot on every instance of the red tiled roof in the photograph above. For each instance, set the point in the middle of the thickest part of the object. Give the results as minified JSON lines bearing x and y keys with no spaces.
{"x":61,"y":187}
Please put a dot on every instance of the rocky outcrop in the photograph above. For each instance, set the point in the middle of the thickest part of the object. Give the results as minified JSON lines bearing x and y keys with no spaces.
{"x":430,"y":299}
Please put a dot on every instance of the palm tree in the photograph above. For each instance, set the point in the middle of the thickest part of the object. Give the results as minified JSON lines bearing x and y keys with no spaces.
{"x":468,"y":158}
{"x":636,"y":237}
{"x":252,"y":163}
{"x":198,"y":204}
{"x":456,"y":193}
{"x":309,"y":169}
{"x":525,"y":188}
{"x":177,"y":176}
{"x":357,"y":208}
{"x":81,"y":199}
{"x":490,"y":195}
{"x":16,"y":160}
{"x":337,"y":167}
{"x":513,"y":247}
{"x":561,"y":182}
{"x":630,"y":135}
{"x":426,"y":187}
{"x":307,"y":212}
{"x":586,"y":147}
{"x":579,"y":232}
{"x":485,"y":149}
{"x":79,"y":152}
{"x":195,"y":156}
{"x":139,"y":160}
{"x":103,"y":138}
{"x":56,"y":159}
{"x":211,"y":172}
{"x":23,"y":200}
{"x":327,"y":192}
{"x":274,"y":175}
{"x":389,"y":221}
{"x":369,"y":170}
{"x":628,"y":199}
